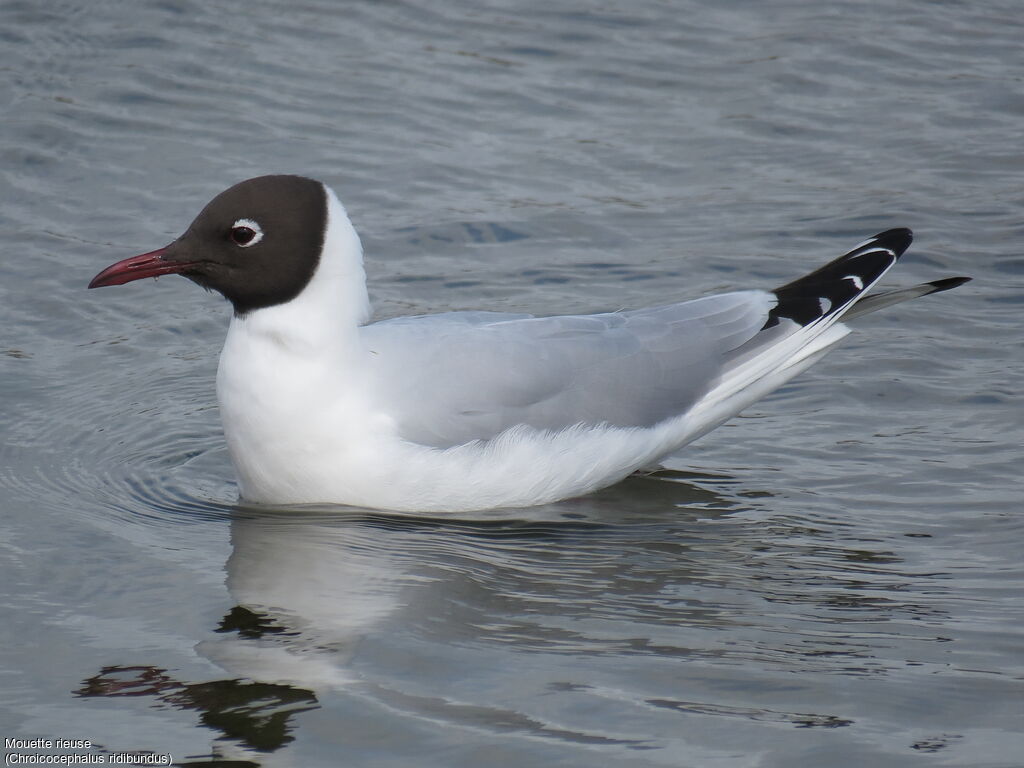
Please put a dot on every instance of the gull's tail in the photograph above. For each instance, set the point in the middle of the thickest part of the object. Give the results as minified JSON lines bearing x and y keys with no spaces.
{"x":805,"y":323}
{"x":840,"y":288}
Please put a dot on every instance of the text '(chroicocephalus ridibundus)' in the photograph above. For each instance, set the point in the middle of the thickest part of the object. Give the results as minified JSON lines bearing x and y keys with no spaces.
{"x":466,"y":411}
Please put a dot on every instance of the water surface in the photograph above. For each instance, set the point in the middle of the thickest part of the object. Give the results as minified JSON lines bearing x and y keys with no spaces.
{"x":832,"y":579}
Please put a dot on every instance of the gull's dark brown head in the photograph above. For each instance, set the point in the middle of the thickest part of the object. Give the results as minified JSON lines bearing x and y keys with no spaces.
{"x":257,"y":243}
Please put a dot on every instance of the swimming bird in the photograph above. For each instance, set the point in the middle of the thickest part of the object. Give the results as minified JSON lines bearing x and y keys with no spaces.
{"x":465,"y":411}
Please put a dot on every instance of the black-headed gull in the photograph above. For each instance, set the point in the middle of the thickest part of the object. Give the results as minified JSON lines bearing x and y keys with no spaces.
{"x":466,"y":411}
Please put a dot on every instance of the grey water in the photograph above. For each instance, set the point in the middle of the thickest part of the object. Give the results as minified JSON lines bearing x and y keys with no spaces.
{"x":834,"y":578}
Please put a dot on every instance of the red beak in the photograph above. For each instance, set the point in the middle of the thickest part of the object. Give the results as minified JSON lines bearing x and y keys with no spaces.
{"x":150,"y":264}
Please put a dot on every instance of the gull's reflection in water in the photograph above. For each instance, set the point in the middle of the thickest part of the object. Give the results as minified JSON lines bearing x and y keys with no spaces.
{"x":310,"y":586}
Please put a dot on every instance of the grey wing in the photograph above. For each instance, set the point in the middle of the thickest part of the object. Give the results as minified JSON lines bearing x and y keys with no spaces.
{"x":451,"y":378}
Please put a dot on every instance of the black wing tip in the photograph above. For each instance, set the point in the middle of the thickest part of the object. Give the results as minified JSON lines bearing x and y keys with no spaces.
{"x":831,"y":289}
{"x":947,"y":283}
{"x":896,"y":240}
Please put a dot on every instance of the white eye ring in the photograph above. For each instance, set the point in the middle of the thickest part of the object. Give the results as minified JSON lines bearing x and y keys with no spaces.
{"x":251,"y":226}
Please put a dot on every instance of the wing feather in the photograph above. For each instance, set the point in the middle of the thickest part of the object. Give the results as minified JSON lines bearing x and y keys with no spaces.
{"x":451,"y":378}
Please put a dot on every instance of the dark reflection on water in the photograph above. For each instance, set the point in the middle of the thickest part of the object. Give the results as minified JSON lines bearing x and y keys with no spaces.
{"x":253,"y":715}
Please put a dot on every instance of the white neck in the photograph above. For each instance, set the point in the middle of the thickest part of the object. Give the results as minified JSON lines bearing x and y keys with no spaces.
{"x":285,"y":368}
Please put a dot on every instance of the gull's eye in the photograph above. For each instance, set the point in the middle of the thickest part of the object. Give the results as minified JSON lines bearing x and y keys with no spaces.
{"x":246,"y":232}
